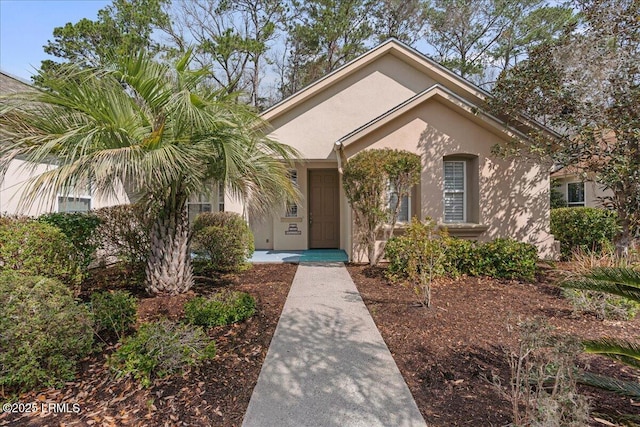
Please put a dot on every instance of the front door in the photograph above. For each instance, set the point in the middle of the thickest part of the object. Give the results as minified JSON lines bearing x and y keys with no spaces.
{"x":324,"y":209}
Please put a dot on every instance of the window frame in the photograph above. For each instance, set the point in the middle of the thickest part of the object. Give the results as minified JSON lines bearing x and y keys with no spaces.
{"x":464,"y":192}
{"x":292,"y":209}
{"x":390,"y":193}
{"x":579,"y":204}
{"x":220,"y":196}
{"x":71,"y":198}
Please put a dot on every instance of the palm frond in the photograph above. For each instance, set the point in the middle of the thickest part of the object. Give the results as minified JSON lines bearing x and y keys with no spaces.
{"x":624,"y":351}
{"x":625,"y":388}
{"x":627,"y":276}
{"x":590,"y":284}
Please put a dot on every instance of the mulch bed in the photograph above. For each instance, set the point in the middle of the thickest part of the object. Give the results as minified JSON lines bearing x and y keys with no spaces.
{"x":449,"y":353}
{"x":216,"y":393}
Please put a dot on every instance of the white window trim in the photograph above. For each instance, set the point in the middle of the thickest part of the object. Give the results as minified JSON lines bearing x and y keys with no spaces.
{"x":583,"y":203}
{"x":464,"y":192}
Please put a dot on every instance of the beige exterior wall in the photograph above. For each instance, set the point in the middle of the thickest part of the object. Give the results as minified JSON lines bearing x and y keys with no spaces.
{"x":315,"y":125}
{"x":593,"y":193}
{"x":506,"y":198}
{"x":15,"y":182}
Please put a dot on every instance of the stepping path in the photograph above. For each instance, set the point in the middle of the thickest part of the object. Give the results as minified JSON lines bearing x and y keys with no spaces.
{"x":327,"y":364}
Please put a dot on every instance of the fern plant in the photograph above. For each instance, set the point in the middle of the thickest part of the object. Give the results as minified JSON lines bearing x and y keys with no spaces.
{"x":624,"y":282}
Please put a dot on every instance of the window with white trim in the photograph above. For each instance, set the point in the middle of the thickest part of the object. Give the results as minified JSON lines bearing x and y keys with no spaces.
{"x":575,"y":194}
{"x":292,"y":208}
{"x":455,"y":209}
{"x":74,"y":204}
{"x":404,"y":214}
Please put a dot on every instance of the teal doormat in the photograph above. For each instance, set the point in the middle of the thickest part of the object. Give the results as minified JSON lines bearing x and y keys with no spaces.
{"x":324,"y":255}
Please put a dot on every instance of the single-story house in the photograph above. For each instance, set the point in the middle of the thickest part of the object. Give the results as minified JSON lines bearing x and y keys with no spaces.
{"x":395,"y":97}
{"x":390,"y":97}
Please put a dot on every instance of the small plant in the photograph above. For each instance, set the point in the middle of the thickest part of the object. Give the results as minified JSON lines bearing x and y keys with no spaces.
{"x":37,"y":249}
{"x":542,"y":387}
{"x":113,"y":312}
{"x":222,"y":308}
{"x":589,"y":229}
{"x":80,"y":230}
{"x":160,"y":349}
{"x":604,"y":306}
{"x":43,"y":332}
{"x":419,"y":256}
{"x":223,"y":241}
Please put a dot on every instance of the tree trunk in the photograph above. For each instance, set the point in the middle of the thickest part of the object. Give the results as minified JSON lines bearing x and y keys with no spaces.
{"x":168,"y":267}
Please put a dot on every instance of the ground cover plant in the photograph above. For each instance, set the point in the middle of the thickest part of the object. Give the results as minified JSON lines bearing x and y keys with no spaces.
{"x":210,"y":392}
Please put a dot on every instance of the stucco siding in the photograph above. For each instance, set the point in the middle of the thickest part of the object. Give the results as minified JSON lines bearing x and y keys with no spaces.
{"x":315,"y":125}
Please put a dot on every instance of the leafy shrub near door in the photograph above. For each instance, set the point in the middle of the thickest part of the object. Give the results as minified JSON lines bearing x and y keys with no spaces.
{"x":222,"y":240}
{"x":44,"y":332}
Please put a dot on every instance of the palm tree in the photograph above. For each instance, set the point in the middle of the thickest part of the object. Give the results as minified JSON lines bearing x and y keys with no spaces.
{"x":624,"y":282}
{"x":157,"y":128}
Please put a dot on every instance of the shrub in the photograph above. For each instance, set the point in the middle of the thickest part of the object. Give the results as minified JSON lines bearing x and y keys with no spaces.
{"x":160,"y":349}
{"x":419,"y":256}
{"x":38,"y":249}
{"x":113,"y":312}
{"x":461,"y":257}
{"x":583,"y":228}
{"x":124,"y":233}
{"x":223,"y":240}
{"x":604,"y":306}
{"x":43,"y":332}
{"x":507,"y":259}
{"x":80,"y":229}
{"x":222,"y":308}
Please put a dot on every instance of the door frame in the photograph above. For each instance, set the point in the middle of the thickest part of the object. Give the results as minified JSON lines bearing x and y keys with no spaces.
{"x":338,"y":217}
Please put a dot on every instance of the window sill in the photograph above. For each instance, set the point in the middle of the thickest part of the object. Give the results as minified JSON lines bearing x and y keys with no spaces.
{"x":291,"y":219}
{"x":464,"y":229}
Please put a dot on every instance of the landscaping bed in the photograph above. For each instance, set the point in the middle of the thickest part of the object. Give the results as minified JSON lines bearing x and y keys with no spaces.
{"x":216,"y":393}
{"x":450,"y":354}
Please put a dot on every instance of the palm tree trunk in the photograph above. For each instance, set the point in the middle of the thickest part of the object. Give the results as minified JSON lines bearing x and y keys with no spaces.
{"x":168,"y":267}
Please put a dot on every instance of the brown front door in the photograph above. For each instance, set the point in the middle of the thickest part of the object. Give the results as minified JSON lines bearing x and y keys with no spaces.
{"x":324,"y":209}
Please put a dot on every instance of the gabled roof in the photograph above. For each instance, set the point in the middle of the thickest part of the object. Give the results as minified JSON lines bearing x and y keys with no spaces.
{"x":437,"y":72}
{"x":440,"y":93}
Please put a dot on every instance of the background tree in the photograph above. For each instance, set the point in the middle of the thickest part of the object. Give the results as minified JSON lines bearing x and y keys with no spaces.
{"x":158,"y":129}
{"x":322,"y":36}
{"x":123,"y":27}
{"x":402,"y":20}
{"x":474,"y":38}
{"x":586,"y":86}
{"x":232,"y":38}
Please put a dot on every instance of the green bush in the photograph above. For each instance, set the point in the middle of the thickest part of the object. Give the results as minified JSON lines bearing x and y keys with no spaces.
{"x":113,"y":312}
{"x":461,"y":257}
{"x":507,"y":259}
{"x":80,"y":229}
{"x":37,"y":249}
{"x":500,"y":258}
{"x":222,"y":240}
{"x":124,"y":234}
{"x":43,"y":332}
{"x":160,"y":349}
{"x":586,"y":228}
{"x":222,"y":308}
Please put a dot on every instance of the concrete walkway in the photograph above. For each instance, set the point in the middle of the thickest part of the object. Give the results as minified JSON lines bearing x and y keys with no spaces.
{"x":327,"y":364}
